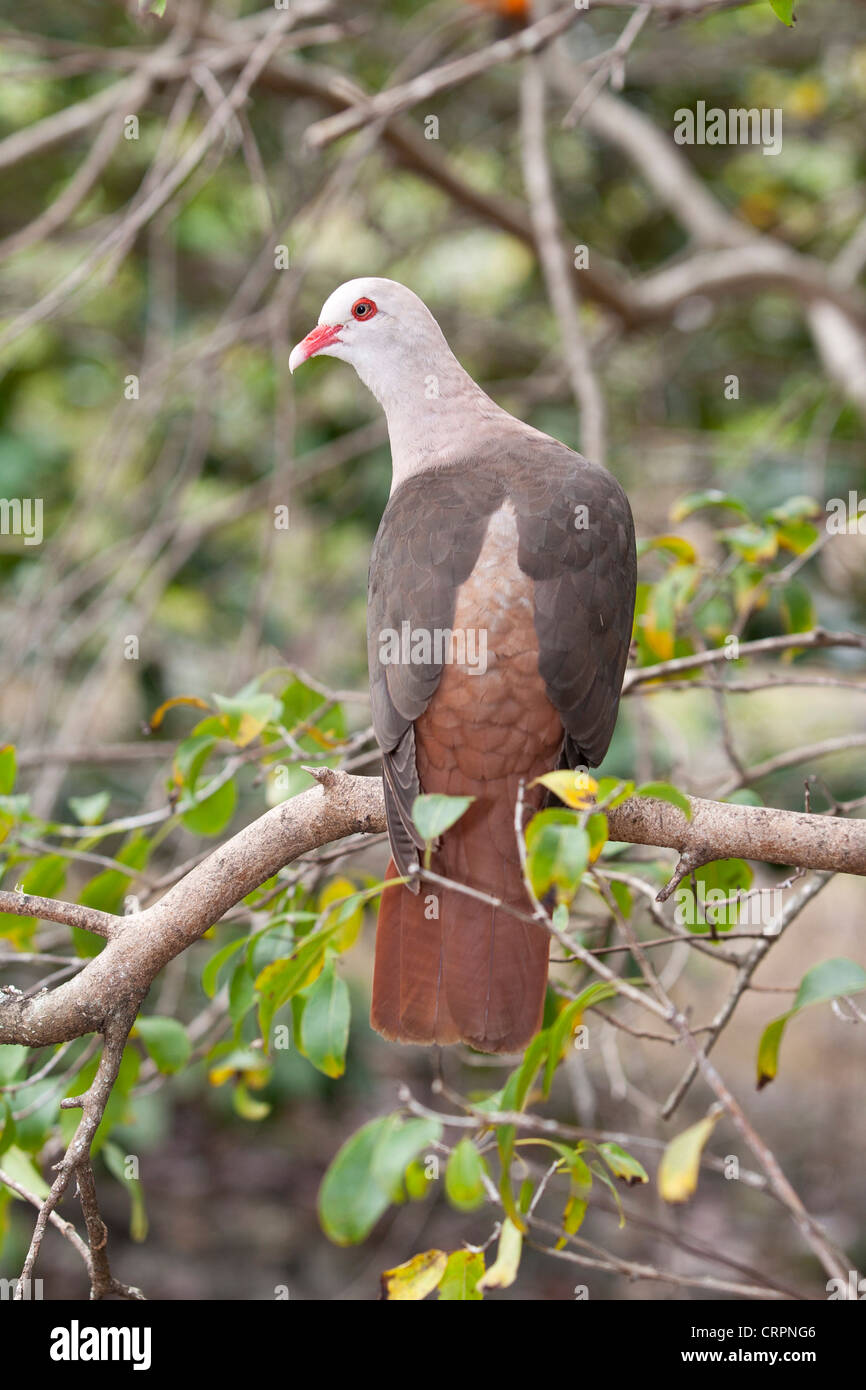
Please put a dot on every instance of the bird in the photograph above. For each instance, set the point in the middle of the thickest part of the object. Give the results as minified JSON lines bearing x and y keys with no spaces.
{"x":520,"y":554}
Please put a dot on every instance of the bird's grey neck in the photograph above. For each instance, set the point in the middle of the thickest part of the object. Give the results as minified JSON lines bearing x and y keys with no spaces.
{"x":430,"y":408}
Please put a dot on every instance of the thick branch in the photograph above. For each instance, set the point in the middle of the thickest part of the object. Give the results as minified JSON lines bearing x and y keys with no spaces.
{"x":142,"y":943}
{"x":718,"y":830}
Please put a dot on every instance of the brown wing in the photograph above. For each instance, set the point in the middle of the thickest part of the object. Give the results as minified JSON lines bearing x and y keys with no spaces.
{"x":576,"y":541}
{"x":426,"y":547}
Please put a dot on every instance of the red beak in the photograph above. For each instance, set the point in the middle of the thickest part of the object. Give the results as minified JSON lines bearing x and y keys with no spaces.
{"x":320,"y":337}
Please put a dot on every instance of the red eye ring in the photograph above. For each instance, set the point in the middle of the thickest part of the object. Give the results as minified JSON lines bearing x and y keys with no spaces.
{"x":363,"y":309}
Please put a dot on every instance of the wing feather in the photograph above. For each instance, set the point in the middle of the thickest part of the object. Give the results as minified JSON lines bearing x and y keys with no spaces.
{"x":576,"y":541}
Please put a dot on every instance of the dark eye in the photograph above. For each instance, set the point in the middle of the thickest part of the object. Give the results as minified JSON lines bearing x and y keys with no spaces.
{"x":363,"y":309}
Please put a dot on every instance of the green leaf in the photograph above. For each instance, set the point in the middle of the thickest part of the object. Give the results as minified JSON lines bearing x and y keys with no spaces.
{"x":785,"y":10}
{"x":459,"y":1283}
{"x":795,"y":509}
{"x":798,"y":608}
{"x":435,"y":813}
{"x":745,"y":796}
{"x":192,"y":753}
{"x":622,"y":895}
{"x":348,"y":911}
{"x":282,"y":979}
{"x":829,"y":980}
{"x":276,"y":942}
{"x":106,"y":891}
{"x":519,"y":1084}
{"x":663,"y":791}
{"x":242,"y":994}
{"x":22,"y":1168}
{"x":797,"y":536}
{"x":580,"y":1188}
{"x":210,"y":974}
{"x":597,"y":830}
{"x":711,"y":497}
{"x":37,"y":1122}
{"x":754,"y":543}
{"x":464,"y":1177}
{"x":716,"y":881}
{"x":7,"y":820}
{"x":361,"y":1182}
{"x":557,"y":853}
{"x":7,"y":1125}
{"x":305,"y":713}
{"x":247,"y":1106}
{"x":418,"y":1184}
{"x":166,"y":1040}
{"x":681,"y":1161}
{"x":614,"y":791}
{"x":115,"y":1161}
{"x":514,"y":1097}
{"x":677,"y":546}
{"x":562,"y":1029}
{"x":212,"y":814}
{"x":17,"y":932}
{"x":12,"y":1059}
{"x":246,"y":715}
{"x":89,"y":810}
{"x":46,"y":876}
{"x":7,"y":769}
{"x":622,"y":1164}
{"x":325,"y":1023}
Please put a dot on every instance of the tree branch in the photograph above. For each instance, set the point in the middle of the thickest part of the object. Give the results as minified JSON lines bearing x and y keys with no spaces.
{"x":441,"y":79}
{"x":555,"y":263}
{"x":140,"y":944}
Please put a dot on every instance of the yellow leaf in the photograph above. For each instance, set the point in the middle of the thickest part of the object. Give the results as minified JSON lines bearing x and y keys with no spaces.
{"x":576,"y":789}
{"x":336,"y":892}
{"x":248,"y":729}
{"x":659,"y":640}
{"x":325,"y":738}
{"x":503,"y":1272}
{"x":760,"y":208}
{"x":807,"y":99}
{"x":412,"y":1281}
{"x":159,"y":714}
{"x":681,"y":1161}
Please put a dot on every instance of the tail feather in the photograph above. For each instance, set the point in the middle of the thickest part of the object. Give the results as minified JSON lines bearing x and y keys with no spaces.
{"x":450,"y":968}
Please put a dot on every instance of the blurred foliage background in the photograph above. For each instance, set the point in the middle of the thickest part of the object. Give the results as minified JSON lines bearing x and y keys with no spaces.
{"x":147,"y":402}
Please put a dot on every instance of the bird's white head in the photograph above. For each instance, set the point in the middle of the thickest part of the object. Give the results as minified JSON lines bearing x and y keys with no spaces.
{"x":399,"y":351}
{"x":384,"y":330}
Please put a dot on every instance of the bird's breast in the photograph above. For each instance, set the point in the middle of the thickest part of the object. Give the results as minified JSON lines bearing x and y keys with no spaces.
{"x":490,"y":715}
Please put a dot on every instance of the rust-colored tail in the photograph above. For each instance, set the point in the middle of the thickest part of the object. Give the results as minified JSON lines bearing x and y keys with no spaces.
{"x":450,"y":968}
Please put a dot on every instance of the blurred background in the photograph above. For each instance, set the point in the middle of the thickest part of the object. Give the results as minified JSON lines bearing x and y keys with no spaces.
{"x":167,"y":231}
